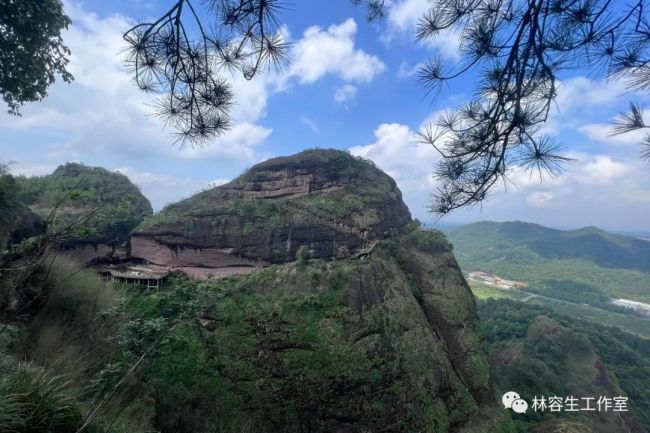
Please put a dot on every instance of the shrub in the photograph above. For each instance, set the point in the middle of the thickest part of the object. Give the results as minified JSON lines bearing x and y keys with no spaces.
{"x":301,"y":254}
{"x":33,"y":400}
{"x":72,"y":329}
{"x":10,"y":205}
{"x":433,"y":240}
{"x":76,"y":190}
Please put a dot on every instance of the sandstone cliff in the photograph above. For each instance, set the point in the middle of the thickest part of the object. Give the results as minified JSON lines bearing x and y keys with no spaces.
{"x":325,"y":203}
{"x":385,"y":341}
{"x":361,"y":321}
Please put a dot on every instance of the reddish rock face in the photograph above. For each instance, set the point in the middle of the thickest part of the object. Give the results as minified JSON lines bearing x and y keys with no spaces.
{"x":179,"y":256}
{"x":323,"y":203}
{"x":282,"y":183}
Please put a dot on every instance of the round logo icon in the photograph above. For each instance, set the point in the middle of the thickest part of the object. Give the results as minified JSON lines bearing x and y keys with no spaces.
{"x":508,"y":398}
{"x":520,"y":406}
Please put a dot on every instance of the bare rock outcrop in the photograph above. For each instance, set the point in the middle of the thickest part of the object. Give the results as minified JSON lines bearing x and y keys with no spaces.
{"x":318,"y":203}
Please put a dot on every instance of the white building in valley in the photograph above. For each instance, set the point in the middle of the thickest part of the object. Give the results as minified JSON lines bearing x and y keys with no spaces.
{"x":493,"y":280}
{"x":632,"y":305}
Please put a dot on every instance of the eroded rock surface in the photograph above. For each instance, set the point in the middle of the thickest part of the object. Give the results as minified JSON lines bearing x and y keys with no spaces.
{"x":323,"y":203}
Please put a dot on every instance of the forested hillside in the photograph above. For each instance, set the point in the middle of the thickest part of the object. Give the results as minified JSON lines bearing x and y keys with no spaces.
{"x":107,"y":203}
{"x":351,"y":318}
{"x":587,"y":265}
{"x":537,"y":352}
{"x":17,"y":221}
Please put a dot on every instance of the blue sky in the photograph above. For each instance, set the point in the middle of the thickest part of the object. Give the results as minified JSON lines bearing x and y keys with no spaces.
{"x":349,"y":85}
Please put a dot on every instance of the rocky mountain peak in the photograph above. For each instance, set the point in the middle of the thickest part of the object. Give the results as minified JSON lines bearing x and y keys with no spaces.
{"x":323,"y":203}
{"x":308,"y":172}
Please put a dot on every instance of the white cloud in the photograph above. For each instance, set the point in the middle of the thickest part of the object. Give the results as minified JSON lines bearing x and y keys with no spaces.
{"x":602,"y":170}
{"x":163,"y":189}
{"x":579,"y":98}
{"x":596,"y":190}
{"x":446,"y":43}
{"x":345,"y":93}
{"x":397,"y":152}
{"x":539,"y":198}
{"x":250,"y":97}
{"x":96,"y":44}
{"x":403,"y":16}
{"x":21,"y":168}
{"x":602,"y":132}
{"x":103,"y":113}
{"x":520,"y":178}
{"x":585,"y":93}
{"x":407,"y":71}
{"x":332,"y":51}
{"x":237,"y":144}
{"x":311,"y":124}
{"x":217,"y":182}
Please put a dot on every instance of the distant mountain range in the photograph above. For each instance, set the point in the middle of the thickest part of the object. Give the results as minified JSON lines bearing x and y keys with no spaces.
{"x":587,"y":265}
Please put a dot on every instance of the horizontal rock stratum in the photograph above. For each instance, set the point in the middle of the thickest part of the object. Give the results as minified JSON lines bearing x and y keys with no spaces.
{"x":323,"y":203}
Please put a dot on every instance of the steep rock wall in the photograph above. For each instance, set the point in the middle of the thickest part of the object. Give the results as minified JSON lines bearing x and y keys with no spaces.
{"x":323,"y":203}
{"x":347,"y":346}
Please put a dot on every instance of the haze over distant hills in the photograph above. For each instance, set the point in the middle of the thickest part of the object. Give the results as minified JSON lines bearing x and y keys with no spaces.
{"x":585,"y":265}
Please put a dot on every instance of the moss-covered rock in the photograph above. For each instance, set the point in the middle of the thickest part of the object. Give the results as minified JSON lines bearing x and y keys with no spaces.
{"x":554,"y":360}
{"x":358,"y":321}
{"x":338,"y":346}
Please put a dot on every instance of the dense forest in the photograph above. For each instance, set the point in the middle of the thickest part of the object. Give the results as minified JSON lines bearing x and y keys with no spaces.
{"x":103,"y":206}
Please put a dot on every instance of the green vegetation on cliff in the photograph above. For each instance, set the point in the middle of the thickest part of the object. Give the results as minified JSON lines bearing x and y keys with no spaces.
{"x":536,"y":351}
{"x":328,"y":201}
{"x":17,"y":221}
{"x":113,"y":204}
{"x":364,"y":323}
{"x":313,"y":347}
{"x":9,"y":204}
{"x":362,"y":188}
{"x":384,"y":342}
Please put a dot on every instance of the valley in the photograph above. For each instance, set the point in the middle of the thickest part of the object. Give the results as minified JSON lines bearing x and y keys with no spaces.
{"x":636,"y":325}
{"x":585,"y":266}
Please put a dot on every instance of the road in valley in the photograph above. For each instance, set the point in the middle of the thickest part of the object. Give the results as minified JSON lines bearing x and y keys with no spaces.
{"x":527,"y":296}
